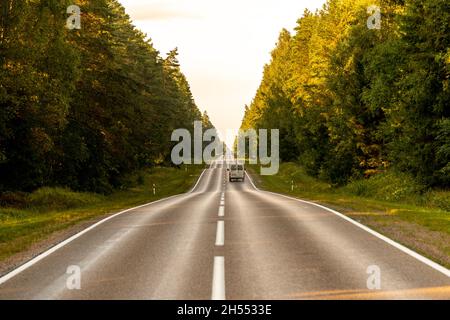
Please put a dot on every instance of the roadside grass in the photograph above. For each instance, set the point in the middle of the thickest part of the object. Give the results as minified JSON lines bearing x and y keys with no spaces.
{"x":391,"y":203}
{"x":36,"y":216}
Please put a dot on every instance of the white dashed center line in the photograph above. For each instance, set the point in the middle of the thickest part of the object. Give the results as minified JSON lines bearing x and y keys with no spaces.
{"x":218,"y":284}
{"x":220,"y":235}
{"x":221,"y":211}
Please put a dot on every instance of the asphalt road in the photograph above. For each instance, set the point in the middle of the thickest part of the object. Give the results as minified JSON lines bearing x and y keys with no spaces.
{"x":250,"y":245}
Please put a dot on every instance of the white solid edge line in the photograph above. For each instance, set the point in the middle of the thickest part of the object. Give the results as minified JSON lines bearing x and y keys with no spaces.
{"x":218,"y":283}
{"x":221,"y":211}
{"x":220,"y":233}
{"x":198,"y":181}
{"x":393,"y":243}
{"x":251,"y":181}
{"x":48,"y":252}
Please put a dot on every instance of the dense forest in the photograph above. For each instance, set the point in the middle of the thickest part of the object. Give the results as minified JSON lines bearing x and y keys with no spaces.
{"x":351,"y":101}
{"x":84,"y":108}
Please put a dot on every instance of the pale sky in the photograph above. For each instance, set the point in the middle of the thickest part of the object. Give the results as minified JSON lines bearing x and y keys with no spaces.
{"x":223,"y":45}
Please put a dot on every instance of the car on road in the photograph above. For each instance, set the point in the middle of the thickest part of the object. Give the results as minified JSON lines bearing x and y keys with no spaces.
{"x":236,"y":171}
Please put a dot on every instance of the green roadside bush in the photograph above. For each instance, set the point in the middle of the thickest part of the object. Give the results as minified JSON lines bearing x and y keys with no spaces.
{"x":302,"y":180}
{"x":13,"y":199}
{"x":60,"y":198}
{"x":387,"y":186}
{"x":391,"y":186}
{"x":438,"y":199}
{"x":12,"y":213}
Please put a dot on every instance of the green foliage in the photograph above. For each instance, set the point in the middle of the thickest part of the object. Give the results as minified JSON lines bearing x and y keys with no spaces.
{"x":13,"y":199}
{"x":60,"y":198}
{"x":352,"y":101}
{"x":83,"y":108}
{"x":292,"y":173}
{"x":422,"y":107}
{"x":438,"y":199}
{"x":388,"y":186}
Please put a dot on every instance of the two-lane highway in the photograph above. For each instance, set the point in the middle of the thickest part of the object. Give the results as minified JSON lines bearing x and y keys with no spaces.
{"x":228,"y":240}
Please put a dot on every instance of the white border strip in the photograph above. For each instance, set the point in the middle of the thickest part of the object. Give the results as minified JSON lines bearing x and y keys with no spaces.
{"x":397,"y":245}
{"x":45,"y":254}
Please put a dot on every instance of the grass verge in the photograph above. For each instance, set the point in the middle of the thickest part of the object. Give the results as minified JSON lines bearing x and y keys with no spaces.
{"x":392,"y":204}
{"x":47,"y":211}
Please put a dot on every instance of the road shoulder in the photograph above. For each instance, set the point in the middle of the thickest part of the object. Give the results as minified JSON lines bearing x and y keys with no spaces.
{"x":385,"y":219}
